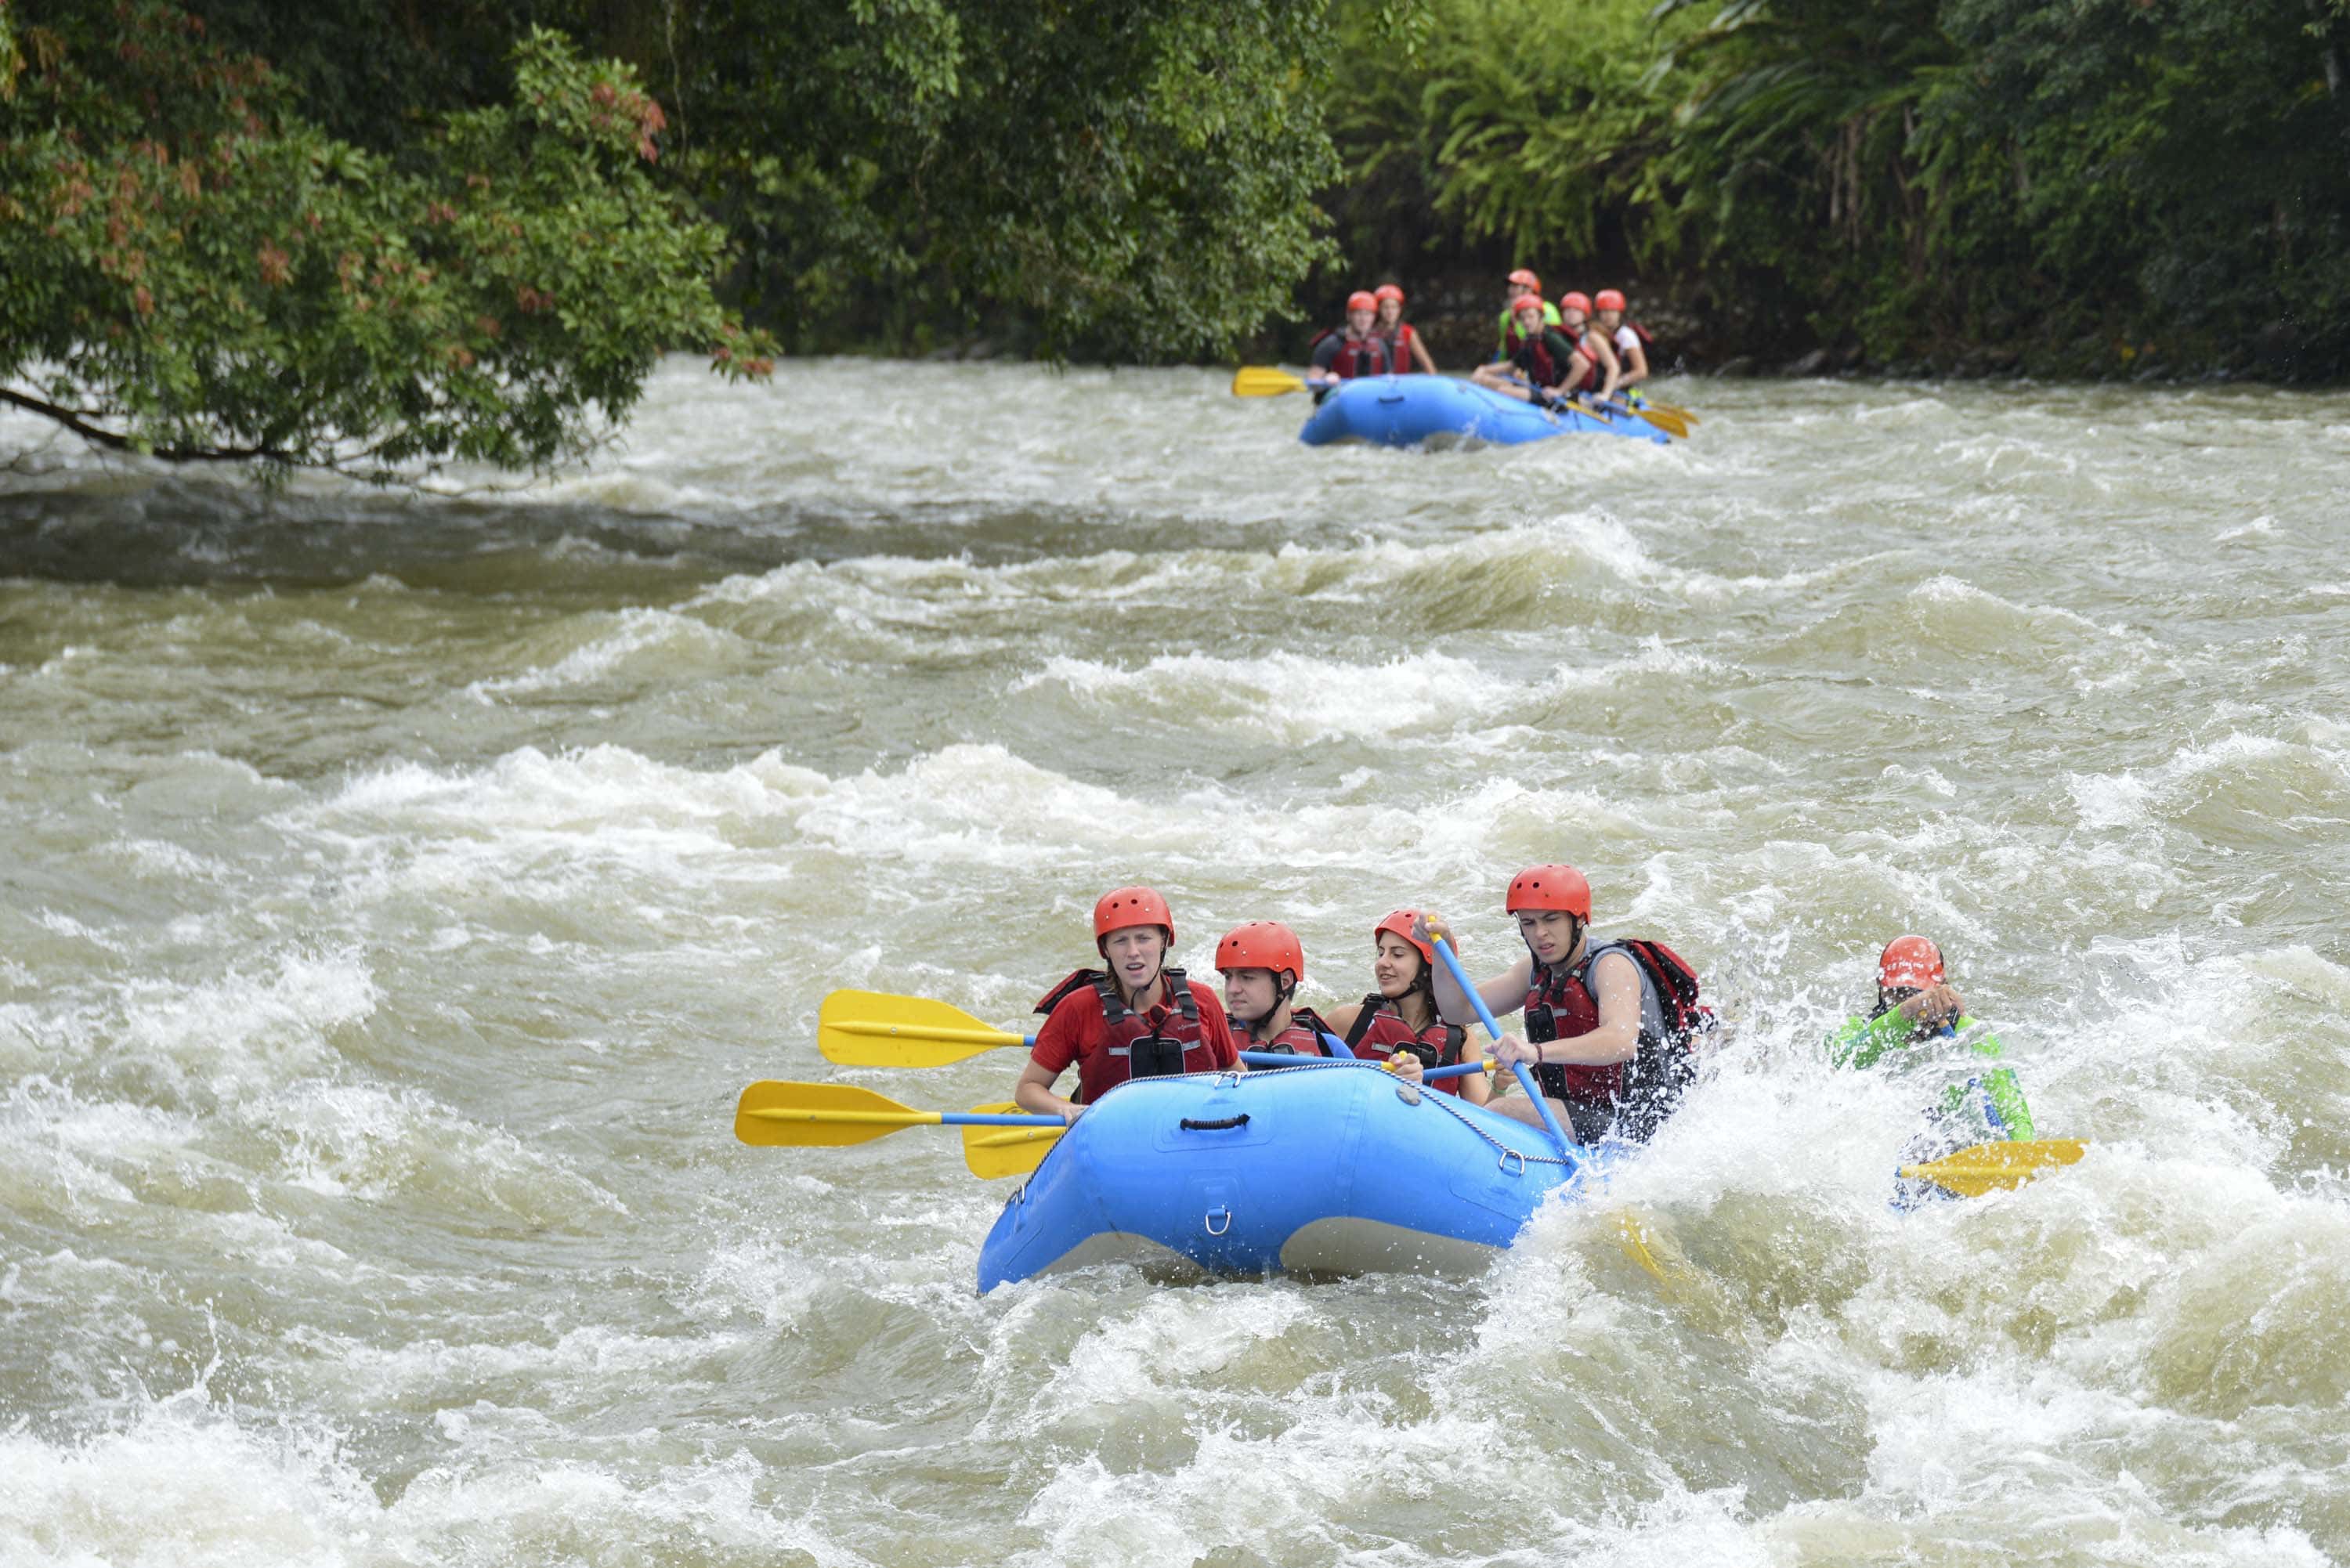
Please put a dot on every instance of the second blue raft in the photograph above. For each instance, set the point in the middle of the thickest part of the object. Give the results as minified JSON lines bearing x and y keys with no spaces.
{"x":1309,"y":1170}
{"x":1407,"y":410}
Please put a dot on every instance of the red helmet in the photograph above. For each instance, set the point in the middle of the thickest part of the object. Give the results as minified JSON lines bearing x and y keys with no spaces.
{"x":1388,"y":291}
{"x":1529,"y":279}
{"x":1526,"y":302}
{"x":1123,"y":907}
{"x":1574,"y":299}
{"x":1550,"y":887}
{"x":1362,"y":299}
{"x":1609,"y":299}
{"x":1400,"y":922}
{"x":1262,"y":944}
{"x":1911,"y":961}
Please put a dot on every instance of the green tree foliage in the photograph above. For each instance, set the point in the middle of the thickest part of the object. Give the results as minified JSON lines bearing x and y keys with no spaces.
{"x":2072,"y":182}
{"x":196,"y":270}
{"x":1131,"y":180}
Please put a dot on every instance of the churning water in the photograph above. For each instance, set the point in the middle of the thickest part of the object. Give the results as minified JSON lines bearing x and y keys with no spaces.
{"x":396,"y":892}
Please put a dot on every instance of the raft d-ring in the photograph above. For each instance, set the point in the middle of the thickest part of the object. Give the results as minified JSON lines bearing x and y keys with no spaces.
{"x":1508,"y":1155}
{"x":1218,"y":1220}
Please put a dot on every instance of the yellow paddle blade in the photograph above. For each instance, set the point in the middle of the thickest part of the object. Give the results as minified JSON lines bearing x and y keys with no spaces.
{"x":992,"y":1152}
{"x":1995,"y":1166}
{"x":820,"y":1116}
{"x":1681,"y":414}
{"x":1671,"y":424}
{"x":874,"y":1029}
{"x":1264,"y":381}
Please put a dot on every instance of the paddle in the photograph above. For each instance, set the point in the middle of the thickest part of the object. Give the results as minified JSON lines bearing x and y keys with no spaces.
{"x":1676,"y":411}
{"x":1264,"y":382}
{"x":1665,"y":419}
{"x":1996,"y":1167}
{"x":834,"y":1116}
{"x":994,"y":1151}
{"x":874,"y":1029}
{"x":1282,"y":1059}
{"x":1525,"y":1080}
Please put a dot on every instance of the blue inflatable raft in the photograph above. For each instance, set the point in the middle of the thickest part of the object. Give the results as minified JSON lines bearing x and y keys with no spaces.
{"x":1329,"y":1169}
{"x":1406,"y":410}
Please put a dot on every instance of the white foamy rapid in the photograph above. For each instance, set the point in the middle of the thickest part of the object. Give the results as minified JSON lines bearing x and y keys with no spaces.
{"x":399,"y":891}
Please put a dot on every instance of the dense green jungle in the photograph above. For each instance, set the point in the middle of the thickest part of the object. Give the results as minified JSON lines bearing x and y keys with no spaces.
{"x":373,"y":235}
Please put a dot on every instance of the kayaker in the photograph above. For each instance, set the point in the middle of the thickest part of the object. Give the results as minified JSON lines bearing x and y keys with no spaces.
{"x":1358,"y":351}
{"x":1606,"y":1044}
{"x":1520,"y":284}
{"x":1543,"y":364}
{"x":1629,"y":339}
{"x":1404,"y":347}
{"x":1135,"y":1019}
{"x":1398,"y":1023}
{"x":1915,"y":1006}
{"x":1601,"y":380}
{"x":1261,"y":962}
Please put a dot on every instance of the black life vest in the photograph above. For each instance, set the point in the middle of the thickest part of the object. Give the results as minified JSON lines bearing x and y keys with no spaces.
{"x":1562,"y":1003}
{"x":1533,"y":356}
{"x":1134,"y":1049}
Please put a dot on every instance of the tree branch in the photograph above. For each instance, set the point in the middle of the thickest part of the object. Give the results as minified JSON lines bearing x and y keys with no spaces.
{"x":114,"y":441}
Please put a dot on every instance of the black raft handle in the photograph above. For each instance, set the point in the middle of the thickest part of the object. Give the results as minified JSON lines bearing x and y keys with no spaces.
{"x":1225,"y":1124}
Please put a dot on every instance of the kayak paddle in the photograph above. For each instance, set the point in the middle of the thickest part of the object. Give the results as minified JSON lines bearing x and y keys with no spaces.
{"x":1525,"y":1080}
{"x":993,"y":1150}
{"x":874,"y":1029}
{"x":1996,"y":1167}
{"x":834,"y":1116}
{"x":1264,"y":381}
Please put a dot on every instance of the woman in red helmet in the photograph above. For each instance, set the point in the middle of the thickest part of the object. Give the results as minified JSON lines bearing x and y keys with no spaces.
{"x":1358,"y":350}
{"x":1261,"y":962}
{"x":1401,"y":1016}
{"x":1404,"y":347}
{"x":1575,"y":320}
{"x":1628,"y":338}
{"x":1597,"y":1037}
{"x":1135,"y":1019}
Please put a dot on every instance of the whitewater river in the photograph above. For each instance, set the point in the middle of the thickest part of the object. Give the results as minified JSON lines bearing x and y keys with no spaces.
{"x":396,"y":892}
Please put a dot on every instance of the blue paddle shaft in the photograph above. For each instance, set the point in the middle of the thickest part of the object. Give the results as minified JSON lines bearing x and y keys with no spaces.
{"x":1282,"y":1059}
{"x":992,"y":1119}
{"x":1485,"y":1016}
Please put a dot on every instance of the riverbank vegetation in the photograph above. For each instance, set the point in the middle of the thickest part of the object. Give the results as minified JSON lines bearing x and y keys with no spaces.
{"x":372,"y":237}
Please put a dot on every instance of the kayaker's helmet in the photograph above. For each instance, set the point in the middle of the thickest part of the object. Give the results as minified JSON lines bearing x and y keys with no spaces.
{"x":1609,"y":299}
{"x":1574,"y":299}
{"x":1388,"y":291}
{"x":1262,"y":944}
{"x":1362,"y":299}
{"x":1123,"y":907}
{"x":1526,"y":302}
{"x":1399,"y":921}
{"x":1529,"y":279}
{"x":1908,"y":963}
{"x":1550,"y":887}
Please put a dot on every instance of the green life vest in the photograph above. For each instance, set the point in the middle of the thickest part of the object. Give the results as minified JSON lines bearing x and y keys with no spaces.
{"x":1502,"y":344}
{"x":1862,"y":1043}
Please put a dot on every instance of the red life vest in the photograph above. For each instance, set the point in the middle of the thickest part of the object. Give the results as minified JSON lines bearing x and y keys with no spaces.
{"x":1134,"y":1048}
{"x":1356,"y":356}
{"x":1593,"y":377}
{"x":1562,"y":1003}
{"x":1302,"y":1038}
{"x":1399,"y":344}
{"x":1379,"y":1032}
{"x":1533,"y":356}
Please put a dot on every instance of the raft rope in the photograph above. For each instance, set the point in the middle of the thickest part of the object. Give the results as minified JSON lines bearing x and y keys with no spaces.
{"x":1310,"y":1064}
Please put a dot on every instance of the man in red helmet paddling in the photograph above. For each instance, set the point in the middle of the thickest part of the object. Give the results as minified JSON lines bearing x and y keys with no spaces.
{"x":1915,"y":1005}
{"x":1603,"y":372}
{"x":1358,"y":350}
{"x":1608,"y":1027}
{"x":1135,"y":1019}
{"x":1261,"y":962}
{"x":1398,"y":1023}
{"x":1543,"y":364}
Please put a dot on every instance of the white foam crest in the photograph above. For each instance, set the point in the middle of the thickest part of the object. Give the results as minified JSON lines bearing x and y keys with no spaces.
{"x":636,"y":631}
{"x":2138,"y":797}
{"x":600,"y":787}
{"x":1292,"y":696}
